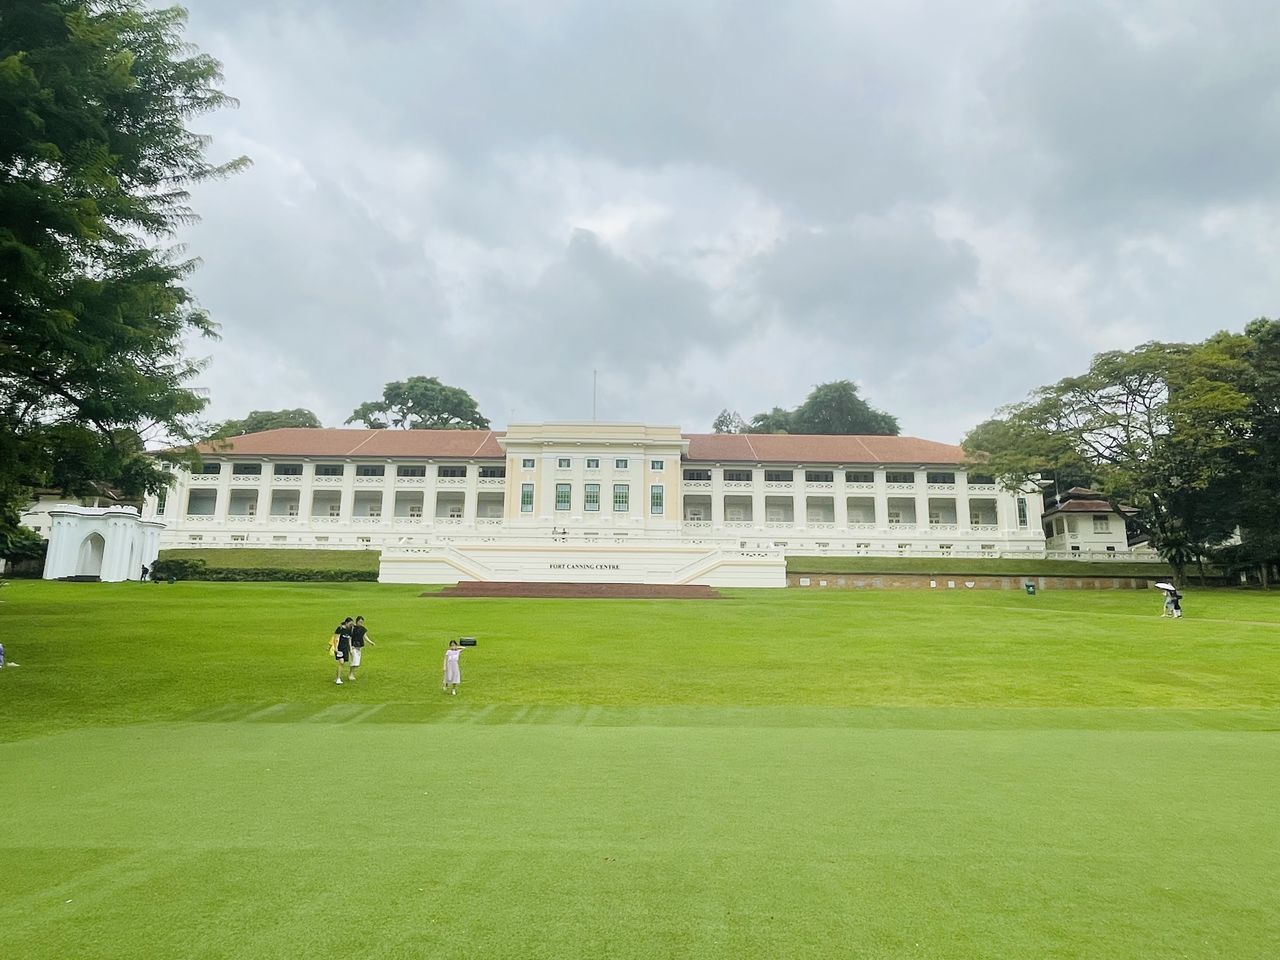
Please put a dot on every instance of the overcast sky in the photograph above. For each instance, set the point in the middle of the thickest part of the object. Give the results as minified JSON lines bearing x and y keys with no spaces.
{"x":724,"y":204}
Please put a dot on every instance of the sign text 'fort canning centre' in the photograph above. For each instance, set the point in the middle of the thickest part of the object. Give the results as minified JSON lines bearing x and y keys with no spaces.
{"x":600,"y":502}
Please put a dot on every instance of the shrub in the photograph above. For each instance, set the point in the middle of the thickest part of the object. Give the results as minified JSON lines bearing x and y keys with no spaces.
{"x":191,"y":569}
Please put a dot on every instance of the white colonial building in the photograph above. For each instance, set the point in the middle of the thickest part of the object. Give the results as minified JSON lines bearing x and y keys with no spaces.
{"x":618,"y":502}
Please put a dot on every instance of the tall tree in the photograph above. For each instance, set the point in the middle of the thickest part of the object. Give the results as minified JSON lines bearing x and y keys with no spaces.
{"x":836,"y":408}
{"x":1156,"y":427}
{"x":95,"y":162}
{"x":831,"y":408}
{"x":421,"y":403}
{"x":259,"y":420}
{"x":729,"y":421}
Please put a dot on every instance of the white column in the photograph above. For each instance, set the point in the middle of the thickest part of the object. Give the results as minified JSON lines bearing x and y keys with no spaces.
{"x":306,"y":490}
{"x":922,"y":499}
{"x":881,"y":495}
{"x":264,"y":492}
{"x":222,"y":502}
{"x":429,"y":494}
{"x":348,"y":493}
{"x":717,"y":498}
{"x":962,"y":501}
{"x":389,"y":494}
{"x":757,"y":498}
{"x":840,"y":497}
{"x":470,"y":494}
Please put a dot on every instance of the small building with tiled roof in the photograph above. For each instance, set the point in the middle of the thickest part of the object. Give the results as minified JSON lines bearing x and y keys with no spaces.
{"x":1082,"y":521}
{"x":507,"y":504}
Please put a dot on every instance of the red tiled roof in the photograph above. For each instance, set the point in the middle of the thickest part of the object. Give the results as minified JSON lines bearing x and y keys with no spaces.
{"x":478,"y":444}
{"x":322,"y":442}
{"x":810,"y":448}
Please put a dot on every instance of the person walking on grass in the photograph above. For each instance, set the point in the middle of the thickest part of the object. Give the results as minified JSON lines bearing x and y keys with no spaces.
{"x":340,"y":647}
{"x":359,"y":636}
{"x":452,"y":672}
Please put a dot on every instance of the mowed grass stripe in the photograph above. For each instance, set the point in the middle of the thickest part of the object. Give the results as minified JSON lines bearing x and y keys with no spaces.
{"x":531,"y":840}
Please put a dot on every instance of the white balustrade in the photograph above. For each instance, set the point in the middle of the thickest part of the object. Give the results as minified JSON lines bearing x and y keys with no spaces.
{"x":861,"y":487}
{"x":411,"y":481}
{"x":942,"y":488}
{"x":738,"y":484}
{"x":900,"y":487}
{"x":697,"y":484}
{"x":324,"y":480}
{"x":286,"y":478}
{"x":451,"y":482}
{"x":370,"y":481}
{"x":246,"y":479}
{"x":489,"y":521}
{"x":493,"y":481}
{"x":819,"y":485}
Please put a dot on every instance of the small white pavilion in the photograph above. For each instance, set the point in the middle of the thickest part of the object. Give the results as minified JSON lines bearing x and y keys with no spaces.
{"x":109,"y":543}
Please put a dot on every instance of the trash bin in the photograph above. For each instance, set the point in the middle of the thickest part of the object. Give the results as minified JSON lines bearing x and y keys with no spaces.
{"x":1030,"y":588}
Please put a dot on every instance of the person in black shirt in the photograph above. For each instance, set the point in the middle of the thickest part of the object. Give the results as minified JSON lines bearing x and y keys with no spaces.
{"x":340,"y":646}
{"x":359,"y":636}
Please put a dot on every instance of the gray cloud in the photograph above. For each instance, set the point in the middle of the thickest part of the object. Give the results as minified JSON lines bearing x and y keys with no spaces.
{"x":715,"y":205}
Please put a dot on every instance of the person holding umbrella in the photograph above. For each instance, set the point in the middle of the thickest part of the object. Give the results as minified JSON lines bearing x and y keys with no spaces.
{"x":1172,"y":600}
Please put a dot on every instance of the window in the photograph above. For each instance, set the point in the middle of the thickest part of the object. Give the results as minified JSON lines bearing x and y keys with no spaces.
{"x":364,"y":539}
{"x":526,"y":463}
{"x":593,"y":463}
{"x":493,"y":473}
{"x":941,"y":477}
{"x":370,"y":470}
{"x":322,"y":539}
{"x":288,"y":470}
{"x":375,"y":511}
{"x":451,"y":470}
{"x":900,"y":476}
{"x":526,"y":498}
{"x":895,"y":516}
{"x":859,"y":476}
{"x":1111,"y":549}
{"x":415,"y":511}
{"x":329,"y":469}
{"x":655,"y":500}
{"x":988,"y":546}
{"x":563,"y":463}
{"x":945,"y":547}
{"x":564,"y":496}
{"x":411,"y":471}
{"x":335,"y":509}
{"x":738,"y":476}
{"x":195,"y":537}
{"x":655,"y":464}
{"x":620,"y":464}
{"x":621,"y":497}
{"x":982,"y":478}
{"x":208,"y":469}
{"x":1059,"y":527}
{"x":1101,"y":524}
{"x":291,"y":510}
{"x":161,"y":498}
{"x":591,"y":497}
{"x":455,"y":511}
{"x":819,"y":476}
{"x":1022,"y":511}
{"x":778,"y":476}
{"x":697,"y":474}
{"x":246,"y":470}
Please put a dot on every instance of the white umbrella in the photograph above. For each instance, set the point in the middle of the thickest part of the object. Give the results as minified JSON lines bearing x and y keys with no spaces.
{"x":1165,"y":586}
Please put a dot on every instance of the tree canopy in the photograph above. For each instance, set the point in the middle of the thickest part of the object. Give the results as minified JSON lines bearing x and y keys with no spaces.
{"x":259,"y":420}
{"x":833,"y":408}
{"x":95,"y":162}
{"x":729,"y":421}
{"x":421,"y":403}
{"x":1157,"y":428}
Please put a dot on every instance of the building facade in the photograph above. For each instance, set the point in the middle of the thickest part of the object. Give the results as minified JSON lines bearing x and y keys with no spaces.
{"x":474,"y":502}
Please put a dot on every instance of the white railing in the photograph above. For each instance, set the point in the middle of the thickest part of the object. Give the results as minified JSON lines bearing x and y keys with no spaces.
{"x":326,"y":521}
{"x":819,"y":485}
{"x":779,"y":484}
{"x":493,"y":481}
{"x":489,"y":521}
{"x":821,"y":524}
{"x":411,"y":481}
{"x":738,"y":484}
{"x":246,"y":479}
{"x":370,"y":481}
{"x":942,"y":488}
{"x":696,"y":524}
{"x":860,"y":525}
{"x":985,"y":527}
{"x":944,"y":527}
{"x":779,"y":524}
{"x":900,"y":487}
{"x":451,"y":481}
{"x":448,"y":521}
{"x":284,"y":518}
{"x":739,"y":524}
{"x":861,"y":486}
{"x":697,"y":484}
{"x":983,"y":488}
{"x":366,"y":521}
{"x":325,"y":480}
{"x":286,"y":478}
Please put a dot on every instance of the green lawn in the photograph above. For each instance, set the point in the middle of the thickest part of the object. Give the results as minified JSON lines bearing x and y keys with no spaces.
{"x":778,"y":774}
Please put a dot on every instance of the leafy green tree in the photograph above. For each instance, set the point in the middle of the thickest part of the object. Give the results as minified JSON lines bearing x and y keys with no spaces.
{"x":95,"y":162}
{"x":831,"y":408}
{"x":259,"y":420}
{"x":1258,"y":458}
{"x":729,"y":421}
{"x":421,"y":403}
{"x":776,"y":420}
{"x":1155,"y":427}
{"x":836,"y":408}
